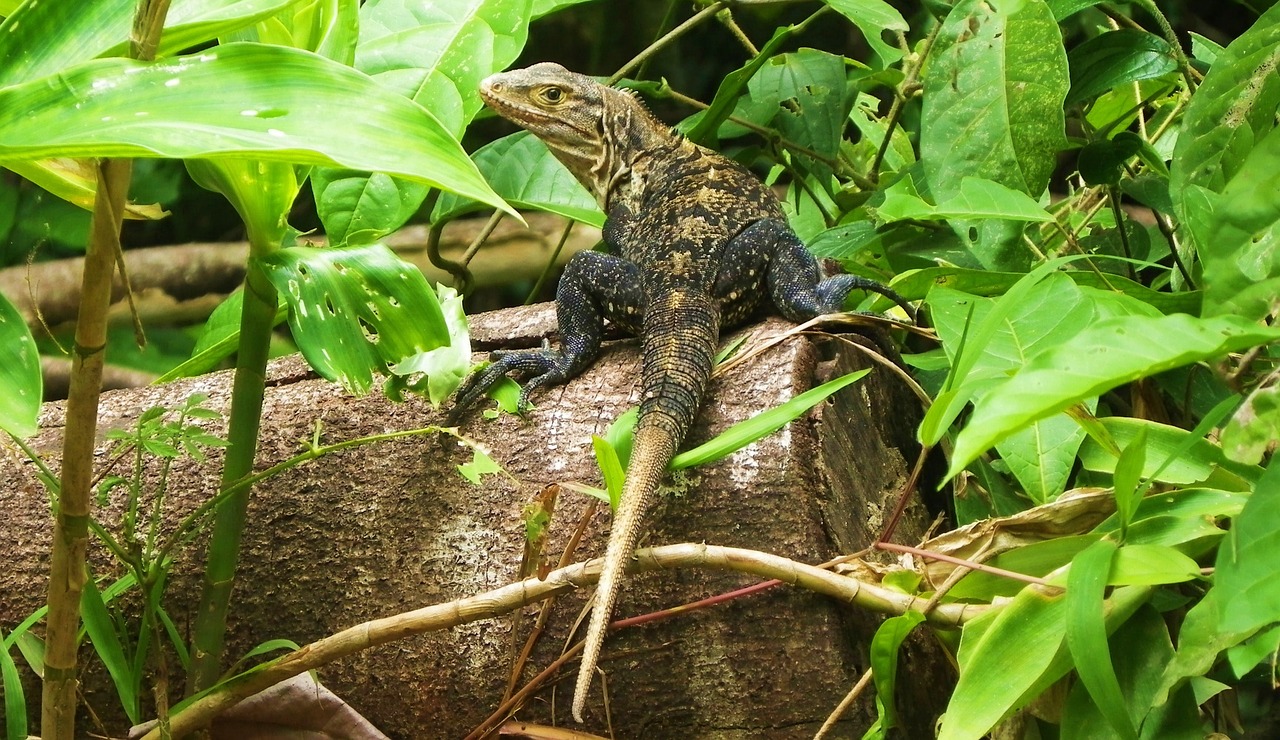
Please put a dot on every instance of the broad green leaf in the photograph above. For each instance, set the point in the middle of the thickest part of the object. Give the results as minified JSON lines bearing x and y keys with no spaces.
{"x":76,"y":181}
{"x":1204,"y":49}
{"x":1247,"y":575}
{"x":976,"y":199}
{"x":1201,"y":639}
{"x":807,"y":96}
{"x":700,"y":126}
{"x":1042,"y":455}
{"x":1254,"y":426}
{"x":1116,"y":58}
{"x":761,"y":425}
{"x":993,"y":108}
{"x":873,"y":17}
{"x":219,"y":339}
{"x":56,"y":35}
{"x":1140,"y":649}
{"x":916,"y":284}
{"x":1248,"y":654}
{"x":1012,"y":656}
{"x":1242,"y":265}
{"x":15,"y":702}
{"x":434,"y":54}
{"x":1232,"y":110}
{"x":1087,"y":633}
{"x":843,"y":242}
{"x":1173,"y":455}
{"x":621,"y":434}
{"x":21,"y":384}
{"x":1100,"y":357}
{"x":1180,"y":517}
{"x":271,"y":103}
{"x":884,"y":660}
{"x":106,"y":643}
{"x":547,"y":7}
{"x":865,"y":116}
{"x":443,"y":368}
{"x":1102,"y":162}
{"x":524,"y":173}
{"x":1001,"y":656}
{"x":1151,"y":565}
{"x":1066,"y":8}
{"x":356,"y":310}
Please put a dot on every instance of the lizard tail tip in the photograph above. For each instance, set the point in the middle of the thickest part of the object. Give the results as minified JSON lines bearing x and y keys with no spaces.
{"x":580,"y":696}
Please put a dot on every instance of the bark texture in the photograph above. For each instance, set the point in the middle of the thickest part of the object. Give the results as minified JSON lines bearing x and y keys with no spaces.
{"x":378,"y":530}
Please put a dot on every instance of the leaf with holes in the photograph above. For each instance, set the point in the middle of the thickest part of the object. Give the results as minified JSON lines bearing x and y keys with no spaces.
{"x":356,"y":310}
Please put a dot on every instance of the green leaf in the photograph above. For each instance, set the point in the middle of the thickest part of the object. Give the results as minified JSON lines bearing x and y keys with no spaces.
{"x":219,"y":338}
{"x":916,"y":284}
{"x":1100,"y":357}
{"x":807,"y":96}
{"x":700,"y":126}
{"x":761,"y":425}
{"x":1248,"y":654}
{"x":56,"y":35}
{"x":1247,"y":575}
{"x":873,"y":17}
{"x":610,"y":468}
{"x":1087,"y":633}
{"x":21,"y":384}
{"x":1242,"y":265}
{"x":106,"y":643}
{"x":356,"y":309}
{"x":1151,"y":565}
{"x":993,"y":108}
{"x":1101,"y":162}
{"x":272,"y":103}
{"x":977,"y":198}
{"x":443,"y":368}
{"x":1066,"y":8}
{"x":1115,"y":58}
{"x":1128,"y":473}
{"x":15,"y":702}
{"x":884,"y":660}
{"x":434,"y":54}
{"x":1001,"y":657}
{"x":524,"y":173}
{"x":1254,"y":426}
{"x":1233,"y":109}
{"x":480,"y":465}
{"x":1179,"y":518}
{"x":1174,"y":455}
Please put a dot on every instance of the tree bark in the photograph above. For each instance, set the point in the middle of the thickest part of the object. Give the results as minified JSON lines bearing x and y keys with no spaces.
{"x":380,"y":529}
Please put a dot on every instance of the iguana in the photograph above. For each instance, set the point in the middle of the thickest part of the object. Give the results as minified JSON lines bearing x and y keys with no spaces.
{"x":695,"y":243}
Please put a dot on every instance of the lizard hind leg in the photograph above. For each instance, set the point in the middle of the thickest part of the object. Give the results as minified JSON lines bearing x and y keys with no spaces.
{"x":594,"y":287}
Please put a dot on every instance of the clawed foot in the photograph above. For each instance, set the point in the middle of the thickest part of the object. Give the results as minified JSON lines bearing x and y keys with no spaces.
{"x":543,"y":367}
{"x":833,"y":290}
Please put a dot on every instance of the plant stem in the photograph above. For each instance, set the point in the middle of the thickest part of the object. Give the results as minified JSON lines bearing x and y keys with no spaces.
{"x":256,"y":321}
{"x":71,"y":521}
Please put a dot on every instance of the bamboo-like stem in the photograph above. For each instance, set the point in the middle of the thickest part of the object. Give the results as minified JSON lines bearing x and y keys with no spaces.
{"x":72,"y":517}
{"x":256,"y":320}
{"x":71,"y":521}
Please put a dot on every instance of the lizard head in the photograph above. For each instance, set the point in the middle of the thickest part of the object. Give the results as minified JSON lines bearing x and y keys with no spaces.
{"x":595,"y":130}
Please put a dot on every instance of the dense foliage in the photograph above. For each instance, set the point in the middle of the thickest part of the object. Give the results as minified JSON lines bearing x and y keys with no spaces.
{"x":1083,"y":198}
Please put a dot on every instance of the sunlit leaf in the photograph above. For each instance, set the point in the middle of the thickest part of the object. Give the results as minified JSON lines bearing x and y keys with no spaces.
{"x":21,"y":384}
{"x":976,"y":198}
{"x":272,"y":103}
{"x":356,"y":310}
{"x":1087,"y":633}
{"x":1102,"y":356}
{"x":1247,"y":576}
{"x":993,"y":108}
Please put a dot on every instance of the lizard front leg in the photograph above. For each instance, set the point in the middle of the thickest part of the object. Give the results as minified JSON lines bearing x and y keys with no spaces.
{"x":795,"y":283}
{"x":594,"y":287}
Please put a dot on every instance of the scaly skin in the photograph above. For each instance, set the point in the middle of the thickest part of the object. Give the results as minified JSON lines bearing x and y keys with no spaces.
{"x":695,"y":239}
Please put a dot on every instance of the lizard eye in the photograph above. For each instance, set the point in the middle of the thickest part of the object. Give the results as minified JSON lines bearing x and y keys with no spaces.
{"x":553,"y":95}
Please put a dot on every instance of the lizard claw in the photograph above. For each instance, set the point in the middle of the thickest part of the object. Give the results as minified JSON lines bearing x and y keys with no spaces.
{"x":546,"y":366}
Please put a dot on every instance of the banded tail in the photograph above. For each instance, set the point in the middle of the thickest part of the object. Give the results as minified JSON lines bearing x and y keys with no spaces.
{"x":681,"y":329}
